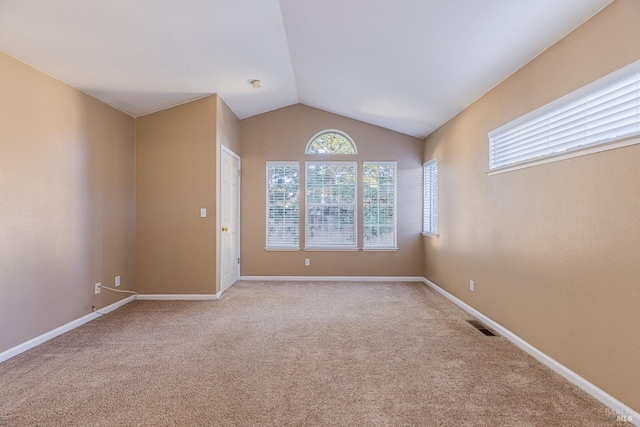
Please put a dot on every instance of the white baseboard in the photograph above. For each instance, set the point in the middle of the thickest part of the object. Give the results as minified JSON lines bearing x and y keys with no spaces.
{"x":179,"y":297}
{"x":590,"y":388}
{"x":21,"y":348}
{"x":333,"y":278}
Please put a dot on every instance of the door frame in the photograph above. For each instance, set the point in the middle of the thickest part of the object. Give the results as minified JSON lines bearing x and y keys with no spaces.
{"x":225,"y":150}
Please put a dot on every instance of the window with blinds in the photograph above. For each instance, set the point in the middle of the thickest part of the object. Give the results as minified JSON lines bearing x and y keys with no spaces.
{"x":604,"y":114}
{"x":283,"y":205}
{"x":379,"y":208}
{"x":430,"y":188}
{"x":331,"y":205}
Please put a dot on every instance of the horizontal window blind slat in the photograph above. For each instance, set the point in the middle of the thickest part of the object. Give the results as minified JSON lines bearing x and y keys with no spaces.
{"x":567,"y":113}
{"x":577,"y":118}
{"x":605,"y":134}
{"x":571,"y":145}
{"x":578,"y":115}
{"x":544,"y":150}
{"x":619,"y":101}
{"x":577,"y":129}
{"x":609,"y":113}
{"x":627,"y":85}
{"x":612,"y":114}
{"x":571,"y":137}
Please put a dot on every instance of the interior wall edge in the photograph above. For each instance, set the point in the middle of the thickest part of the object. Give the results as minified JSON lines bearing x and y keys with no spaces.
{"x":585,"y":385}
{"x":32,"y":343}
{"x":333,"y":278}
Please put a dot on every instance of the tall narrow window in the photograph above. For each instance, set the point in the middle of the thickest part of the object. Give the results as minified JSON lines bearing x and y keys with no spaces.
{"x":379,"y":209}
{"x":283,"y":205}
{"x":430,"y":218}
{"x":331,"y":205}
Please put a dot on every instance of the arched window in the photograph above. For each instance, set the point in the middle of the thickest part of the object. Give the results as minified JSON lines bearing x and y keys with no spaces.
{"x":331,"y":142}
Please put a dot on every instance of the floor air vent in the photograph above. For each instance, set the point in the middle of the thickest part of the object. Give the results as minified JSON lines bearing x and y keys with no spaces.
{"x":479,"y":326}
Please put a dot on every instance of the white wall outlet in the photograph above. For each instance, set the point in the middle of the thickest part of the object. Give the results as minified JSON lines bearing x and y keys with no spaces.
{"x":98,"y":286}
{"x":203,"y":212}
{"x":472,"y":286}
{"x":307,"y":261}
{"x":117,"y":281}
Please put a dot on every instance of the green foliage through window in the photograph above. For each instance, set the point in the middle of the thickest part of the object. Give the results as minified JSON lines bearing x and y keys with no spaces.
{"x":379,"y":208}
{"x":331,"y":204}
{"x":283,"y":204}
{"x":331,"y":142}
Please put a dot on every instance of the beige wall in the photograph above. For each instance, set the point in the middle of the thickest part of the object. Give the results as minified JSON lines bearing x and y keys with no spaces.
{"x":67,"y":202}
{"x":283,"y":135}
{"x":175,"y":177}
{"x":228,"y":127}
{"x":554,"y":249}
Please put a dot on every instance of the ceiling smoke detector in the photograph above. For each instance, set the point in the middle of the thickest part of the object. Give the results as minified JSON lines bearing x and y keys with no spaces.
{"x":257,"y":84}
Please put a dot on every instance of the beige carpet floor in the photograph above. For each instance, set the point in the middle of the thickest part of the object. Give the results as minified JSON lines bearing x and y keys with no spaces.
{"x":280,"y":354}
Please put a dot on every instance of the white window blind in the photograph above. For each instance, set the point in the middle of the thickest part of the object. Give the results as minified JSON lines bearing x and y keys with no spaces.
{"x":331,"y":205}
{"x":379,"y":208}
{"x":604,"y":115}
{"x":430,"y":188}
{"x":283,"y":205}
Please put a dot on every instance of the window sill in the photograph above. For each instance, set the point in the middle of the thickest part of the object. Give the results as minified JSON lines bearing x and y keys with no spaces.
{"x":436,"y":235}
{"x":380,"y":249}
{"x":281,"y":249}
{"x":330,"y":249}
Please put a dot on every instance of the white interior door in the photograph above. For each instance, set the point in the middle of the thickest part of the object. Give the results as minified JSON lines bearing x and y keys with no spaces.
{"x":230,"y":219}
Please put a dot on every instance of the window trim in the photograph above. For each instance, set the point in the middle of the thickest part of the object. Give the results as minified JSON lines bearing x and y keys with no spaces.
{"x":281,"y":248}
{"x":433,"y":201}
{"x":394,"y":246}
{"x":313,"y":138}
{"x":583,"y":150}
{"x":312,"y":248}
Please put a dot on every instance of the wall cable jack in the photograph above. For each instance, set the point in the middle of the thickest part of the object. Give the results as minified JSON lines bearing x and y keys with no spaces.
{"x":135,"y":295}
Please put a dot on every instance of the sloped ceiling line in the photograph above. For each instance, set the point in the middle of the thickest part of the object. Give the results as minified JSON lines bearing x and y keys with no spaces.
{"x":406,"y":65}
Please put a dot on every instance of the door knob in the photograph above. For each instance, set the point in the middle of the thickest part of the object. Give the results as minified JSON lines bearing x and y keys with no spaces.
{"x":224,"y":228}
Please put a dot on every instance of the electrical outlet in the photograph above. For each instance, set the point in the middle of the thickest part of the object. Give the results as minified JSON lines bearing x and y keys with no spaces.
{"x":307,"y":261}
{"x":117,"y":281}
{"x":472,"y":286}
{"x":98,"y":286}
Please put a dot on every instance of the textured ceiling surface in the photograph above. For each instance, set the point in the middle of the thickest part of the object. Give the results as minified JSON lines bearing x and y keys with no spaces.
{"x":407,"y":65}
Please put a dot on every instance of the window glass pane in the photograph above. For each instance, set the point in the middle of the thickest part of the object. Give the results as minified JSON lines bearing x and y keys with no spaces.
{"x":283,"y":204}
{"x":430,"y":188}
{"x":379,"y":209}
{"x":331,"y":204}
{"x":331,"y":142}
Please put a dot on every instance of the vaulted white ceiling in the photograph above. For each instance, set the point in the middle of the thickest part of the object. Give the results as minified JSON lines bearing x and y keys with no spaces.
{"x":407,"y":65}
